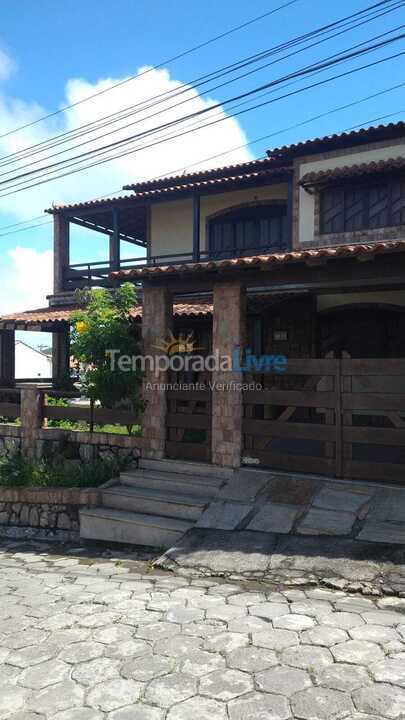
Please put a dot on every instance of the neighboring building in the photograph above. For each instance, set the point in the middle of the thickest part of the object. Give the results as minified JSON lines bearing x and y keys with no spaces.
{"x":300,"y":254}
{"x":31,"y":362}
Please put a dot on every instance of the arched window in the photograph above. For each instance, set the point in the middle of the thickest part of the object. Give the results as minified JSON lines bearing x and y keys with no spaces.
{"x":250,"y":230}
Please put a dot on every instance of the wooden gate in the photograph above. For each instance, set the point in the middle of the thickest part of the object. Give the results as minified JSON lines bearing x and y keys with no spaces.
{"x":188,"y":424}
{"x":332,"y":417}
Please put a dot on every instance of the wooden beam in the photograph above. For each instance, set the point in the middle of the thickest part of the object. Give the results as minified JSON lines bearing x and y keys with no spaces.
{"x":61,"y":245}
{"x":196,"y":227}
{"x":7,"y":358}
{"x":115,"y":242}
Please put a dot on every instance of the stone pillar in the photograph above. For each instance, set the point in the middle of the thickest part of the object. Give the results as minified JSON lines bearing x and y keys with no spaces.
{"x":60,"y":250}
{"x":227,"y":405}
{"x":31,"y":419}
{"x":60,"y":357}
{"x":157,"y":319}
{"x":7,"y":358}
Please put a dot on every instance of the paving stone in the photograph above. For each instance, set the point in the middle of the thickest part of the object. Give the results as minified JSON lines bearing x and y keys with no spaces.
{"x":319,"y":703}
{"x":225,"y":642}
{"x":374,"y":633}
{"x":33,"y":655}
{"x":275,"y":639}
{"x":389,"y":670}
{"x":47,"y":673}
{"x":25,"y":638}
{"x":324,"y":636}
{"x":313,"y":608}
{"x":150,"y":667}
{"x":338,"y":498}
{"x":381,"y":700}
{"x":113,"y":694}
{"x":251,"y":659}
{"x":184,"y":615}
{"x":128,"y":648}
{"x":12,"y":699}
{"x":56,"y":698}
{"x":136,"y":712}
{"x":84,"y":713}
{"x":307,"y":657}
{"x":112,"y":634}
{"x":274,"y":518}
{"x":388,"y":505}
{"x":170,"y":689}
{"x":226,"y":612}
{"x":269,"y":610}
{"x":358,"y":652}
{"x":200,"y":662}
{"x":383,"y":617}
{"x":226,"y":684}
{"x":326,"y":522}
{"x":155,"y":631}
{"x":198,"y":708}
{"x":343,"y":677}
{"x":283,"y":680}
{"x":294,"y":622}
{"x":223,"y":515}
{"x":259,"y":706}
{"x":81,"y":652}
{"x":343,"y":620}
{"x":178,"y":646}
{"x":96,"y":671}
{"x":246,"y":599}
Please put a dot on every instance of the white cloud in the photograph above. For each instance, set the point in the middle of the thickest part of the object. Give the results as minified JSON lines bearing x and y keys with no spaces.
{"x":25,"y":279}
{"x":26,"y":274}
{"x":103,"y":179}
{"x":7,"y":65}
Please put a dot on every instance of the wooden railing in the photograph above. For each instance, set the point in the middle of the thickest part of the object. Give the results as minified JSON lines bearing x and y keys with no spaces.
{"x":90,"y":414}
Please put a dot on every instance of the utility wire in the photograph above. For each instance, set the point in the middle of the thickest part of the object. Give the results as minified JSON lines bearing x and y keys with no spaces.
{"x":308,"y":70}
{"x":155,"y":67}
{"x":48,"y":144}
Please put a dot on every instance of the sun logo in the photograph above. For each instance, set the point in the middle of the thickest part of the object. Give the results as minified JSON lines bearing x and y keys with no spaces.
{"x":181,"y":344}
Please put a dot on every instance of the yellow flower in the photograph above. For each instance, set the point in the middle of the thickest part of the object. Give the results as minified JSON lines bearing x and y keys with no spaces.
{"x":82,"y":326}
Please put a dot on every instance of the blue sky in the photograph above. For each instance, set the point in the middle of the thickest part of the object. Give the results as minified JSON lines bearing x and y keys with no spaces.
{"x":52,"y":53}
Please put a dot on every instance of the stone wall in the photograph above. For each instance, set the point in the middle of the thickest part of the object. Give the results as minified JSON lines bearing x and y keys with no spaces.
{"x":47,"y":509}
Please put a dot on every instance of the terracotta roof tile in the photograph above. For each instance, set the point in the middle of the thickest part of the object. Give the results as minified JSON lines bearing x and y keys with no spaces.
{"x":56,"y":314}
{"x":276,"y":259}
{"x":349,"y":171}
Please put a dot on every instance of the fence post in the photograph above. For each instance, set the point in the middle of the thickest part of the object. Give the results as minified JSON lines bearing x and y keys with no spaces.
{"x":31,"y":419}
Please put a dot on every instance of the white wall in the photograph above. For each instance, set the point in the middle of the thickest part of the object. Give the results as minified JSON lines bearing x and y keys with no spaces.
{"x":30,"y":363}
{"x":306,"y":201}
{"x":172,"y":222}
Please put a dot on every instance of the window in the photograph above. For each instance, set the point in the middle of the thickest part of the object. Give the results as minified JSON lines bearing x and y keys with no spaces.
{"x":250,"y":230}
{"x":363,"y":207}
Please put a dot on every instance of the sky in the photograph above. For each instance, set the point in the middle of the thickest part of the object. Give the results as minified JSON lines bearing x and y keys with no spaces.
{"x":53,"y":54}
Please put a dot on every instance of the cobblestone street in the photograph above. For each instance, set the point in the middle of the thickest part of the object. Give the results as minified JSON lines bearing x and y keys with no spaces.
{"x":86,"y":638}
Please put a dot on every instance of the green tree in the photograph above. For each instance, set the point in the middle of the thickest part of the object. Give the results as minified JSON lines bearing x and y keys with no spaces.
{"x":104,"y":324}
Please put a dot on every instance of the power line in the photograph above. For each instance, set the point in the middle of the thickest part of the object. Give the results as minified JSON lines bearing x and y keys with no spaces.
{"x":308,"y":70}
{"x":70,"y":135}
{"x":155,"y":67}
{"x":239,"y":147}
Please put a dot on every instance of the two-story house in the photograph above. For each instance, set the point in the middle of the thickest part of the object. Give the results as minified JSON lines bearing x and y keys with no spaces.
{"x":301,"y":255}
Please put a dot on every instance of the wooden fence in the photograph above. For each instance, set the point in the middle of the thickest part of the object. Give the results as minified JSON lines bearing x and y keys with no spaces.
{"x":332,"y":417}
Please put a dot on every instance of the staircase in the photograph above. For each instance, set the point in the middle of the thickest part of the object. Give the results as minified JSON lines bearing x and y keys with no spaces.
{"x":153,"y":505}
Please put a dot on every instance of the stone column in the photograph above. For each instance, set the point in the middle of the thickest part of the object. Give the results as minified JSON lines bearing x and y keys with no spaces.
{"x":31,"y":419}
{"x":157,"y":318}
{"x":60,"y":356}
{"x":227,"y":405}
{"x":7,"y":358}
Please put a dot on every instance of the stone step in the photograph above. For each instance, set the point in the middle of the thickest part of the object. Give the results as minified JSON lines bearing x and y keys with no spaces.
{"x":154,"y":502}
{"x":171,"y":483}
{"x":128,"y":527}
{"x":186,"y":467}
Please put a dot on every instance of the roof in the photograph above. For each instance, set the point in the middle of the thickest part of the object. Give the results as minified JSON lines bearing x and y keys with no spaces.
{"x":63,"y":314}
{"x":184,"y":184}
{"x":373,"y":133}
{"x":259,"y":261}
{"x":350,"y":171}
